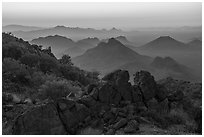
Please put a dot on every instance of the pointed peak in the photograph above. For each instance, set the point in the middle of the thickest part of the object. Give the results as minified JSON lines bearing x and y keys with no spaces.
{"x":165,"y":38}
{"x":121,"y":37}
{"x":113,"y":41}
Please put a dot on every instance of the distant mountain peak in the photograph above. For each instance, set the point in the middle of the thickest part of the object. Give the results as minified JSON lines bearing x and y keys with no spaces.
{"x":121,"y":37}
{"x":59,"y":26}
{"x":164,"y":43}
{"x":165,"y":38}
{"x":113,"y":41}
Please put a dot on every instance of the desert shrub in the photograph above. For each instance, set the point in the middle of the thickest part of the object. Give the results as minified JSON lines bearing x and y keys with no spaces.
{"x":30,"y":59}
{"x":12,"y":51}
{"x":55,"y":89}
{"x":66,"y":60}
{"x":38,"y":78}
{"x":48,"y":63}
{"x":75,"y":74}
{"x":15,"y":71}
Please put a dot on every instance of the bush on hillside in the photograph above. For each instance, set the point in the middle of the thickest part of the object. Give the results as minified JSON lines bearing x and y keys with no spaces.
{"x":56,"y":89}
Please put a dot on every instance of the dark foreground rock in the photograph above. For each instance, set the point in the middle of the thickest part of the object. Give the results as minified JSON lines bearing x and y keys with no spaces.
{"x":114,"y":107}
{"x":40,"y":120}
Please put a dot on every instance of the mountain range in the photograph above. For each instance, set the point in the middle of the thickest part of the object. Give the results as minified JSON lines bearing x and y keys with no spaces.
{"x":62,"y":45}
{"x":12,"y":28}
{"x":113,"y":55}
{"x":108,"y":56}
{"x":74,"y":33}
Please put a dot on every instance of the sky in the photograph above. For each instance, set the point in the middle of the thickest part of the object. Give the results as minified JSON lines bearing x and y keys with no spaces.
{"x":103,"y":15}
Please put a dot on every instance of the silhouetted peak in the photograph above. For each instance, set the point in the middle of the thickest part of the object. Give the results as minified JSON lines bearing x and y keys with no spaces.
{"x":60,"y":26}
{"x":113,"y":41}
{"x":121,"y":37}
{"x":165,"y":38}
{"x":114,"y":29}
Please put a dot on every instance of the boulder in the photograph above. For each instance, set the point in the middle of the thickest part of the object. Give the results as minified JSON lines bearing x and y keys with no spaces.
{"x":136,"y":94}
{"x":120,"y":79}
{"x":88,"y":101}
{"x":123,"y":86}
{"x":145,"y":81}
{"x":40,"y":120}
{"x":108,"y":116}
{"x":121,"y":123}
{"x":108,"y":94}
{"x":161,"y":93}
{"x":110,"y":132}
{"x":152,"y":104}
{"x":90,"y":87}
{"x":131,"y":127}
{"x":72,"y":115}
{"x":163,"y":107}
{"x":176,"y":96}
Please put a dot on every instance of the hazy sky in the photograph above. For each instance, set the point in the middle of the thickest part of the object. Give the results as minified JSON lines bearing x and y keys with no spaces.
{"x":103,"y":15}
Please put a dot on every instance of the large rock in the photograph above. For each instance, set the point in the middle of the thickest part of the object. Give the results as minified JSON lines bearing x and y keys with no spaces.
{"x":163,"y":106}
{"x":136,"y":94}
{"x":109,"y":94}
{"x":120,"y":79}
{"x":146,"y":83}
{"x":60,"y":117}
{"x":121,"y":123}
{"x":161,"y":93}
{"x":123,"y":86}
{"x":72,"y":114}
{"x":131,"y":127}
{"x":40,"y":120}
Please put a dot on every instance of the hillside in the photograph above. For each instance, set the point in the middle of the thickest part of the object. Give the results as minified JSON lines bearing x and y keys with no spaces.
{"x":88,"y":43}
{"x":164,"y":43}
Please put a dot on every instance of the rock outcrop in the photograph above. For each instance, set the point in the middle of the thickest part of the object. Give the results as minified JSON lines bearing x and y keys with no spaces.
{"x":146,"y":83}
{"x":113,"y":107}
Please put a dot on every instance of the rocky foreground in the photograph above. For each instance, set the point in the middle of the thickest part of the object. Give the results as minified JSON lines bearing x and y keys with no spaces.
{"x":112,"y":107}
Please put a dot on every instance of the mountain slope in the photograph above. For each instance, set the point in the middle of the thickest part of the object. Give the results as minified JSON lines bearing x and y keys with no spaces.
{"x":63,"y":45}
{"x":55,"y":41}
{"x":164,"y":43}
{"x":59,"y":44}
{"x":88,"y":43}
{"x":108,"y":56}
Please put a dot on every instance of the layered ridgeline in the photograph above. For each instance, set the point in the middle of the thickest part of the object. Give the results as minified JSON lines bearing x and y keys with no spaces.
{"x":62,"y":45}
{"x":167,"y":43}
{"x":109,"y":56}
{"x":12,"y":28}
{"x":188,"y":54}
{"x":75,"y":33}
{"x":112,"y":55}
